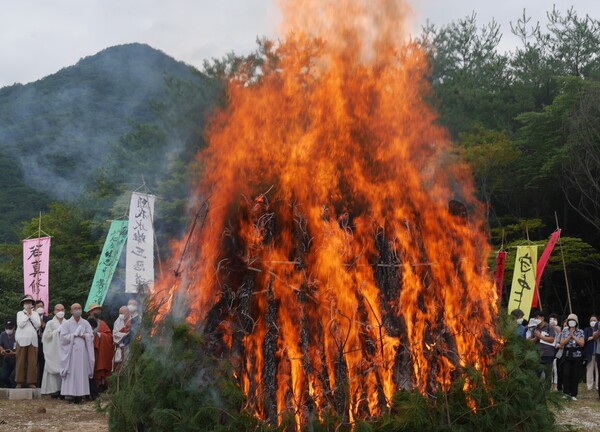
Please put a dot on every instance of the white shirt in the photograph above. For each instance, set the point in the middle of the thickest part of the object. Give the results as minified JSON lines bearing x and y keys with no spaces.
{"x":27,"y":326}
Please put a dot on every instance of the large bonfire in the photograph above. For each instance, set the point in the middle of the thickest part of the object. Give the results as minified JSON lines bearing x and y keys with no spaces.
{"x":332,"y":261}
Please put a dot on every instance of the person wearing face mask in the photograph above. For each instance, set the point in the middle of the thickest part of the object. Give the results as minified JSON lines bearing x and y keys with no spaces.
{"x":28,"y":323}
{"x":542,"y":334}
{"x":572,"y":340}
{"x":121,"y":329}
{"x":589,"y":355}
{"x":76,"y":356}
{"x":41,"y":311}
{"x":556,"y":373}
{"x":517,"y":315}
{"x":136,"y":320}
{"x":103,"y":348}
{"x":8,"y":345}
{"x":51,"y":380}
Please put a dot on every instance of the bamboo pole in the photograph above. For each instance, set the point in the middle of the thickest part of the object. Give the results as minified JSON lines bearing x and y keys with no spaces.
{"x":562,"y":255}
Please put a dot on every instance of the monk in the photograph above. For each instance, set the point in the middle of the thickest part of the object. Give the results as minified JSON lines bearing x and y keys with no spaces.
{"x":76,"y":356}
{"x":103,"y":346}
{"x":51,"y":380}
{"x":121,"y":329}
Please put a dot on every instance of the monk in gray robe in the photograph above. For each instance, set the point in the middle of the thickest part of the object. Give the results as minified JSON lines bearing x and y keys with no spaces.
{"x":51,"y":381}
{"x":76,"y":356}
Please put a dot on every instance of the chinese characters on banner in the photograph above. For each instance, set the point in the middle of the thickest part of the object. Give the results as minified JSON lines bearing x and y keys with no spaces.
{"x":139,"y":270}
{"x":111,"y":252}
{"x":523,"y":283}
{"x":36,"y":259}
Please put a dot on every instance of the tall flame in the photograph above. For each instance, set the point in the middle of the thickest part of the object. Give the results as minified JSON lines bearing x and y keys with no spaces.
{"x":329,"y":265}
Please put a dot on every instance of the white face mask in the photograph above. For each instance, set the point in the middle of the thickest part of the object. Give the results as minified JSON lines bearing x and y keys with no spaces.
{"x":28,"y":306}
{"x":593,"y":323}
{"x":60,"y":314}
{"x":553,"y":322}
{"x":132,"y":308}
{"x":572,"y":323}
{"x":40,"y":310}
{"x":519,"y":321}
{"x":9,"y":332}
{"x":122,"y":316}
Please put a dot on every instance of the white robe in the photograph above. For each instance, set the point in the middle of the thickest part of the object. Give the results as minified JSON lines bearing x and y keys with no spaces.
{"x":51,"y":380}
{"x":76,"y":357}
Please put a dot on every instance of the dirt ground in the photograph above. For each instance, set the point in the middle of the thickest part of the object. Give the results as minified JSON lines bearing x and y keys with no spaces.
{"x":582,"y":415}
{"x":46,"y":414}
{"x":42,"y":415}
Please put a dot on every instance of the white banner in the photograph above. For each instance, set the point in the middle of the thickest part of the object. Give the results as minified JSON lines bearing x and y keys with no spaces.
{"x":139,"y":270}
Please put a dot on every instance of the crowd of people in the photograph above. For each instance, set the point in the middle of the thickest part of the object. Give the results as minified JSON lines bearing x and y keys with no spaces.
{"x":567,"y":348}
{"x":68,"y":358}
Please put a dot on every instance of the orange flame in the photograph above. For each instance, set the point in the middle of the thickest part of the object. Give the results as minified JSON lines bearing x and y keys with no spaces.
{"x":329,"y":262}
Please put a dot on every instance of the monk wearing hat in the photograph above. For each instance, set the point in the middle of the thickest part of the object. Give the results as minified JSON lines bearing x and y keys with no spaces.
{"x":103,"y":347}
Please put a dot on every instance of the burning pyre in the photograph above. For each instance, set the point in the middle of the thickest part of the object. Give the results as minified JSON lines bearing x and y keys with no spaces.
{"x":327,"y":263}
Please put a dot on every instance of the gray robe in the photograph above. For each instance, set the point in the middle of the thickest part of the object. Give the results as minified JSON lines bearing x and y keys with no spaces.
{"x":76,"y":357}
{"x":51,"y":380}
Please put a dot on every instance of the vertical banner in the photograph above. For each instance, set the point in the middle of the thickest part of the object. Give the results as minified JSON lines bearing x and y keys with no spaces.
{"x":36,"y":261}
{"x":111,"y":252}
{"x":499,"y":273}
{"x":139,"y":270}
{"x":523,"y":282}
{"x":541,"y":265}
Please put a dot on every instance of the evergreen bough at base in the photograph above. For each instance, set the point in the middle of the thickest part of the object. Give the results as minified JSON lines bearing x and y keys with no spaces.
{"x":171,"y":383}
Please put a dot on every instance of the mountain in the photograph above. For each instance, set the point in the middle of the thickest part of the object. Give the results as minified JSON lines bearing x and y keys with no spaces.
{"x":61,"y":127}
{"x":56,"y":133}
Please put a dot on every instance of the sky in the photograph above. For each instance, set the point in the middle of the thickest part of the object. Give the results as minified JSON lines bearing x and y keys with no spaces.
{"x":39,"y":37}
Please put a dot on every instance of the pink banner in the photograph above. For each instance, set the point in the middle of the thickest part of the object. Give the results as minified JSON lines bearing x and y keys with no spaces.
{"x":36,"y":260}
{"x":542,"y":265}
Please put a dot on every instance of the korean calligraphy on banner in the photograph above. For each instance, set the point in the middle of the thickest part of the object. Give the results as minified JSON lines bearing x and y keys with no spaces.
{"x":523,"y":283}
{"x":111,"y":252}
{"x":139,"y":271}
{"x":36,"y":260}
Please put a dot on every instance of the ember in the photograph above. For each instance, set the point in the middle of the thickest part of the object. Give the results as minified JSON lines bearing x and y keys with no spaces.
{"x":333,"y":265}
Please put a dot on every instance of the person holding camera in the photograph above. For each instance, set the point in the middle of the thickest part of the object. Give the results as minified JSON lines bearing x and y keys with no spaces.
{"x":28,"y":323}
{"x":8,"y":345}
{"x":572,"y":340}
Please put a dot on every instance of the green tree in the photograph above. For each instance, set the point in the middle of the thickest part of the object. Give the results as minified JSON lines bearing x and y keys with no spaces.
{"x":491,"y":156}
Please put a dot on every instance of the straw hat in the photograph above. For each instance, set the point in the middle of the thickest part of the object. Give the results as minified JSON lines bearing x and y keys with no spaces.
{"x":93,"y":306}
{"x":573,"y":317}
{"x":27,"y":298}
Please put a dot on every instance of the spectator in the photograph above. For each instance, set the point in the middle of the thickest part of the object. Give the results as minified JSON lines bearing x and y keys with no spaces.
{"x":8,"y":346}
{"x":518,"y":315}
{"x":51,"y":381}
{"x":589,"y":354}
{"x":572,"y":340}
{"x":553,"y":321}
{"x":28,"y":323}
{"x":41,"y":311}
{"x":543,"y":335}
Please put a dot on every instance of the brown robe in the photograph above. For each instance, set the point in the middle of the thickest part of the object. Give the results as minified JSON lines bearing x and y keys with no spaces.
{"x":104,"y":351}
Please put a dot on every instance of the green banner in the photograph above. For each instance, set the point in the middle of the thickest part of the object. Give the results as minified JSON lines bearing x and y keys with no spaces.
{"x":111,"y":252}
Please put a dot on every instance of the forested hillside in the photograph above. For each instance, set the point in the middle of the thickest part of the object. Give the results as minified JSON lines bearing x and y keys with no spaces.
{"x":56,"y":133}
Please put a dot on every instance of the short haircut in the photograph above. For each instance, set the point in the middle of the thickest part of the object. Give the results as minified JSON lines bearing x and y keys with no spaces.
{"x":517,"y":313}
{"x":541,"y":313}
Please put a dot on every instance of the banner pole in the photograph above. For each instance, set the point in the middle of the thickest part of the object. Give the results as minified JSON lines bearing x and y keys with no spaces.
{"x":562,"y":255}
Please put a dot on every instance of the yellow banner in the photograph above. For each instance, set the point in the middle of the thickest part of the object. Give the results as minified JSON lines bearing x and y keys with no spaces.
{"x":523,"y":283}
